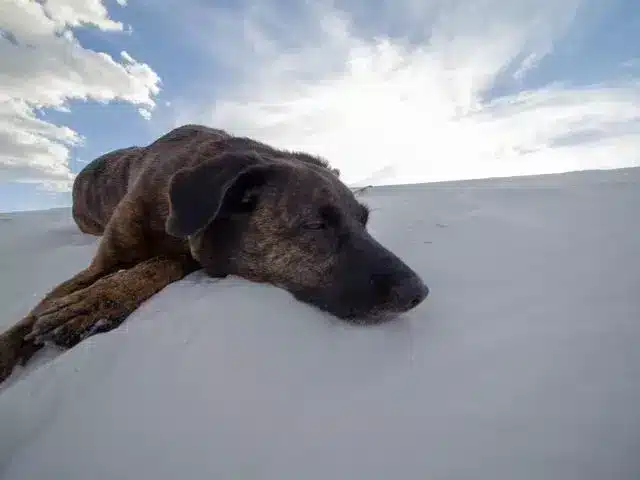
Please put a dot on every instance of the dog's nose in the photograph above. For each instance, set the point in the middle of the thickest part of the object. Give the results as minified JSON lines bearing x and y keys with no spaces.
{"x":400,"y":293}
{"x":409,"y":294}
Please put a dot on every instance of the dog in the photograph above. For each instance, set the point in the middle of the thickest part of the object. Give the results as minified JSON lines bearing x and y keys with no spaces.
{"x":201,"y":198}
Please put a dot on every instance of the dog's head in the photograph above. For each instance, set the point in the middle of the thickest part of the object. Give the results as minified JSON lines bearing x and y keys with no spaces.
{"x":294,"y":225}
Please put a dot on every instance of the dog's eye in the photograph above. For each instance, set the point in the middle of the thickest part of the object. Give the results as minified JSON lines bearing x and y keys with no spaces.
{"x":315,"y":225}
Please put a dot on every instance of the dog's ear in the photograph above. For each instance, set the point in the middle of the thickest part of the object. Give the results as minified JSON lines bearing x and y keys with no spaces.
{"x":222,"y":185}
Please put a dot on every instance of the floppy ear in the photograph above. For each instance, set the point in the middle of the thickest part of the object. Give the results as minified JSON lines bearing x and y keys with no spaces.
{"x":198,"y":194}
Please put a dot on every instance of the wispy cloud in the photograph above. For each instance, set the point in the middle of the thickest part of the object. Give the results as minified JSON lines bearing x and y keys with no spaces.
{"x":389,"y":91}
{"x":418,"y":106}
{"x":44,"y":66}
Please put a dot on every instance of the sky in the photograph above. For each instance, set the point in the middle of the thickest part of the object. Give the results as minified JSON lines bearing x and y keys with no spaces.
{"x":390,"y":92}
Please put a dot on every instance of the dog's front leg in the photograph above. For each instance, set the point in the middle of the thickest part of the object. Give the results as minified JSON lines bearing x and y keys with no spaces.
{"x":14,"y":348}
{"x":106,"y":303}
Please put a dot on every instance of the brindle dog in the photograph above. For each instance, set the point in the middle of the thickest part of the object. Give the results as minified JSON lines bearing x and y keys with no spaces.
{"x":200,"y":198}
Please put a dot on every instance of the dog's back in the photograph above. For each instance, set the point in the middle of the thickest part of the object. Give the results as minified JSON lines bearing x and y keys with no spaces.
{"x":102,"y":184}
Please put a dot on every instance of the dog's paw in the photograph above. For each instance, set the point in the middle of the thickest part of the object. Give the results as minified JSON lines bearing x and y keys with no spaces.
{"x":71,"y":319}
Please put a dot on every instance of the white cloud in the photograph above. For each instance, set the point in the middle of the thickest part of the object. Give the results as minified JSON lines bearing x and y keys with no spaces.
{"x":385,"y":110}
{"x":144,"y":113}
{"x":73,"y":13}
{"x":45,"y":67}
{"x":126,"y":57}
{"x":33,"y":150}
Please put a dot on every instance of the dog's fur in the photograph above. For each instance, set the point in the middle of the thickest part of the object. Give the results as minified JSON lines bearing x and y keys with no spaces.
{"x":200,"y":198}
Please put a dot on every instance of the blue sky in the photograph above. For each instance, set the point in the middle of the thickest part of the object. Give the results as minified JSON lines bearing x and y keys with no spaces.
{"x":390,"y":92}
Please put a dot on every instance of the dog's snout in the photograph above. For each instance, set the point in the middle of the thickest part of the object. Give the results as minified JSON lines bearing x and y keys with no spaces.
{"x":409,"y":294}
{"x":400,"y":293}
{"x":383,"y":285}
{"x":370,"y":284}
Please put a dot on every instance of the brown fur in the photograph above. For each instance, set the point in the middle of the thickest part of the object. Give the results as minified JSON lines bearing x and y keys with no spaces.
{"x":199,"y":197}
